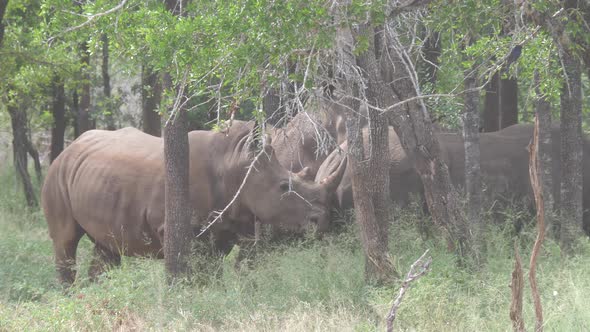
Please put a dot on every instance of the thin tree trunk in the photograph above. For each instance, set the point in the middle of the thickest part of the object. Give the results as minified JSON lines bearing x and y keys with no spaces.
{"x":58,"y":127}
{"x":3,"y":5}
{"x":75,"y":112}
{"x":32,"y":151}
{"x":432,"y":51}
{"x":151,"y":93}
{"x":508,"y":102}
{"x":491,"y":109}
{"x":85,"y":121}
{"x":176,"y":157}
{"x":412,"y":123}
{"x":19,"y":145}
{"x":473,"y":188}
{"x":543,"y":114}
{"x":571,"y":152}
{"x":106,"y":82}
{"x":178,"y":213}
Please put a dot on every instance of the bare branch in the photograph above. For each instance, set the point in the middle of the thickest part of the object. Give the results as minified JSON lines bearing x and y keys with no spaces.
{"x":219,"y":214}
{"x":420,"y":267}
{"x":537,"y":186}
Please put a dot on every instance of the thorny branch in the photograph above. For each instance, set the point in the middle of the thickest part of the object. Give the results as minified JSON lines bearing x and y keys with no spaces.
{"x":420,"y":267}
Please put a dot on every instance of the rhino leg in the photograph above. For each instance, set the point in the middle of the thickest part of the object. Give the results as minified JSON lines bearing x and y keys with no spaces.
{"x":102,"y":260}
{"x":65,"y":245}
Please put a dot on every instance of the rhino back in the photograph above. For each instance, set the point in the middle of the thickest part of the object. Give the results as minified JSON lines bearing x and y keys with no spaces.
{"x":111,"y":184}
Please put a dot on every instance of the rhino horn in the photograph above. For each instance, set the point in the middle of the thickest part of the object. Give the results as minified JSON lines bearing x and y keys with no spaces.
{"x":332,"y":181}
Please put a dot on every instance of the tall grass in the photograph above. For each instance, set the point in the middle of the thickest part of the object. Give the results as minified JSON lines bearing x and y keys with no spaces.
{"x":299,"y":286}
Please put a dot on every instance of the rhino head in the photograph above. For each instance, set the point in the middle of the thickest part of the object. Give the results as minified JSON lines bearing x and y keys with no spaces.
{"x":292,"y":201}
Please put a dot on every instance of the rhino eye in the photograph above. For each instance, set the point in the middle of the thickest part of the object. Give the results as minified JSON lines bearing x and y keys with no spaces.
{"x":284,"y":185}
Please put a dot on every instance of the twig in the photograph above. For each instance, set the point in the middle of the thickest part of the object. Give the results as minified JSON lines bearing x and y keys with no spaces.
{"x":417,"y":270}
{"x":219,"y":214}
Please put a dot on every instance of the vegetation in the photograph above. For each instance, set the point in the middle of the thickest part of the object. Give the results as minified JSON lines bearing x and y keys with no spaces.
{"x":307,"y":285}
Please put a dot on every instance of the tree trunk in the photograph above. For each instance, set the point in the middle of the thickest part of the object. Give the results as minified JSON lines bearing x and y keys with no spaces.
{"x":491,"y":114}
{"x":58,"y":127}
{"x":178,"y":213}
{"x":369,"y":169}
{"x":571,"y":152}
{"x":151,"y":93}
{"x":431,"y":51}
{"x":32,"y":151}
{"x":20,"y":149}
{"x":177,"y":197}
{"x":3,"y":5}
{"x":473,"y":188}
{"x":412,"y":123}
{"x":106,"y":83}
{"x":85,"y":121}
{"x":75,"y":112}
{"x":543,"y":114}
{"x":508,"y":102}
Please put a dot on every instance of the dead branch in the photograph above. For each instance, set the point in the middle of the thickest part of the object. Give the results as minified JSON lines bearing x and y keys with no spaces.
{"x":538,"y":192}
{"x":517,"y":287}
{"x":420,"y":267}
{"x":219,"y":214}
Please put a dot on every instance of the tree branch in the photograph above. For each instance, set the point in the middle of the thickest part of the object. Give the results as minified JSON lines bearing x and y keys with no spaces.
{"x":417,"y":270}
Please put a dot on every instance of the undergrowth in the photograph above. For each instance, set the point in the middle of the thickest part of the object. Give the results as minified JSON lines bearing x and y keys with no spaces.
{"x":296,"y":286}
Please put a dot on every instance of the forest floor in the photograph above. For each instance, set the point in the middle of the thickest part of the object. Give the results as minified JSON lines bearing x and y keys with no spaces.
{"x":301,"y":286}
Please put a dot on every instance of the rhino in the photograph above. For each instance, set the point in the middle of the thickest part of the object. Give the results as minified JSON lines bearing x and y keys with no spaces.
{"x":308,"y":138}
{"x":109,"y":185}
{"x":504,"y":167}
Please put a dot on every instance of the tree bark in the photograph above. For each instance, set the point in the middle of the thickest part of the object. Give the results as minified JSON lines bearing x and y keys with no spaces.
{"x":571,"y":152}
{"x":151,"y":94}
{"x":412,"y":123}
{"x":20,"y":143}
{"x":106,"y":83}
{"x":369,"y":169}
{"x":543,"y":114}
{"x":177,"y":197}
{"x":58,"y":127}
{"x":473,"y":188}
{"x":178,"y":213}
{"x":85,"y":121}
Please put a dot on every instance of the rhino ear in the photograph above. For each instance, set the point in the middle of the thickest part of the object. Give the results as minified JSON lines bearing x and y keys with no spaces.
{"x":305,"y":174}
{"x":332,"y":181}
